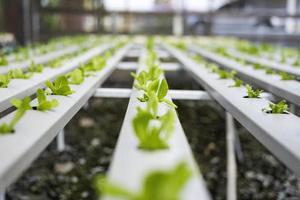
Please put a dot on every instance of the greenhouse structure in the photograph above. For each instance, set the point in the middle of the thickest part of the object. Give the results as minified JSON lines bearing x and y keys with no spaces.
{"x":149,"y":100}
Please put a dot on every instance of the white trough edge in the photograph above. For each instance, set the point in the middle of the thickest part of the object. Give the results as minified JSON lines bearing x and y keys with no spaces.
{"x":289,"y":90}
{"x":39,"y":60}
{"x":18,"y":150}
{"x":280,"y":133}
{"x":130,"y":165}
{"x":19,"y":88}
{"x":164,"y":66}
{"x":269,"y":63}
{"x":174,"y":94}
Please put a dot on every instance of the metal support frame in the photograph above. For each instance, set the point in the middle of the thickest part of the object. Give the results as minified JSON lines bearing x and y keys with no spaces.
{"x":231,"y":159}
{"x":60,"y":139}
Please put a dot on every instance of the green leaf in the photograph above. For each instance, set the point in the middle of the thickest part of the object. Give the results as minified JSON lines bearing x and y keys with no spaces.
{"x":3,"y":61}
{"x":22,"y":106}
{"x":43,"y":104}
{"x":103,"y":186}
{"x":237,"y":82}
{"x":76,"y":77}
{"x":4,"y":80}
{"x":19,"y":74}
{"x":156,"y":185}
{"x":286,"y":77}
{"x":280,"y":108}
{"x":163,"y":89}
{"x":251,"y":93}
{"x":38,"y":68}
{"x":60,"y":86}
{"x":153,"y":132}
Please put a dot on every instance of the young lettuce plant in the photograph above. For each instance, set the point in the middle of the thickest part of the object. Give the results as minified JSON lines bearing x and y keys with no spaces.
{"x":5,"y":79}
{"x":251,"y":93}
{"x":19,"y":74}
{"x":3,"y":61}
{"x":153,"y":132}
{"x":269,"y":71}
{"x":279,"y":108}
{"x":76,"y":76}
{"x":237,"y":83}
{"x":151,"y":59}
{"x":286,"y":77}
{"x":43,"y":103}
{"x":35,"y":68}
{"x":150,"y":43}
{"x":60,"y":86}
{"x":160,"y":89}
{"x":144,"y":77}
{"x":22,"y":106}
{"x":156,"y":185}
{"x":257,"y":66}
{"x":223,"y":74}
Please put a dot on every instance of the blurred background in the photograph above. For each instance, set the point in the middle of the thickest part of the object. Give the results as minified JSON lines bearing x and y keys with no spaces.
{"x":258,"y":20}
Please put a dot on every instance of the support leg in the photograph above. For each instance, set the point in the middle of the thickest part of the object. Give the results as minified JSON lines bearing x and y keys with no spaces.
{"x":2,"y":195}
{"x":61,"y":141}
{"x":231,"y":160}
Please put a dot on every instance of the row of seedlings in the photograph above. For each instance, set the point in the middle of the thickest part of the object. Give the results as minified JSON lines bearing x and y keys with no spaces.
{"x":20,"y":54}
{"x":76,"y":46}
{"x":18,"y":84}
{"x":152,"y":159}
{"x":282,"y":56}
{"x":33,"y":125}
{"x":263,"y":54}
{"x":281,"y":84}
{"x":270,"y":123}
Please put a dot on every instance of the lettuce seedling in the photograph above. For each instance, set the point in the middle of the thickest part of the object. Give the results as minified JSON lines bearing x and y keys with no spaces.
{"x":19,"y":74}
{"x":141,"y":80}
{"x":279,"y":108}
{"x":257,"y":66}
{"x":286,"y":77}
{"x":144,"y":77}
{"x":153,"y":132}
{"x":5,"y":79}
{"x":237,"y":82}
{"x":151,"y":59}
{"x":269,"y":71}
{"x":96,"y":64}
{"x":22,"y":106}
{"x":3,"y":61}
{"x":76,"y":76}
{"x":150,"y":43}
{"x":43,"y":104}
{"x":181,"y":45}
{"x":156,"y":185}
{"x":60,"y":86}
{"x":38,"y":68}
{"x":223,"y":74}
{"x":160,"y":89}
{"x":55,"y":63}
{"x":214,"y":68}
{"x":251,"y":93}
